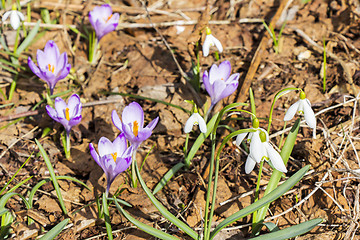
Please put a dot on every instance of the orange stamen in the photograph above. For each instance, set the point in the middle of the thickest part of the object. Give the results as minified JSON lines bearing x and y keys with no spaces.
{"x":108,"y":18}
{"x":136,"y":128}
{"x":67,"y":115}
{"x":51,"y":68}
{"x":114,"y":155}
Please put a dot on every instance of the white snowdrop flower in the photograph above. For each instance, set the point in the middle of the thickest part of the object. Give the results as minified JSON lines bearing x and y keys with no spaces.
{"x":260,"y":149}
{"x":303,"y":106}
{"x":195,"y":119}
{"x":210,"y":41}
{"x":15,"y":18}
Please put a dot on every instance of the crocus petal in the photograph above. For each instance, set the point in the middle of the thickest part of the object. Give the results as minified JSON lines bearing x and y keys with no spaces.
{"x":60,"y":107}
{"x":51,"y":112}
{"x":122,"y":164}
{"x":240,"y":137}
{"x":34,"y":68}
{"x":105,"y":147}
{"x":120,"y":144}
{"x":73,"y":104}
{"x":213,"y":74}
{"x":14,"y":20}
{"x":309,"y":115}
{"x":116,"y":120}
{"x":224,"y":70}
{"x":95,"y":155}
{"x":218,"y":88}
{"x":153,"y":124}
{"x":291,"y":111}
{"x":249,"y":164}
{"x":143,"y":134}
{"x":133,"y":112}
{"x":75,"y":120}
{"x":52,"y":52}
{"x":207,"y":84}
{"x":228,"y":90}
{"x":6,"y":15}
{"x":275,"y":158}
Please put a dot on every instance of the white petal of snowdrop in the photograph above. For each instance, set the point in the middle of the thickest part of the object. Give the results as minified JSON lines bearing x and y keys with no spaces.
{"x":15,"y":18}
{"x":275,"y":158}
{"x":195,"y":119}
{"x":309,"y":114}
{"x":249,"y":165}
{"x":303,"y":106}
{"x":210,"y":41}
{"x":291,"y":111}
{"x":240,"y":138}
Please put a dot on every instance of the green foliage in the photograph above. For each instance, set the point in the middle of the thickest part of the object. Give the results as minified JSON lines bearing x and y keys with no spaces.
{"x":55,"y":230}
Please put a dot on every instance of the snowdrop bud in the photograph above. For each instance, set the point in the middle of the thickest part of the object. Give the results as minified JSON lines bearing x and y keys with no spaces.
{"x":255,"y":123}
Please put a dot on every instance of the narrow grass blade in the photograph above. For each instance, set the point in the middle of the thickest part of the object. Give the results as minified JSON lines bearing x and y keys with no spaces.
{"x":107,"y":217}
{"x":252,"y":101}
{"x":3,"y":211}
{"x":19,"y":184}
{"x":7,"y":196}
{"x":278,"y":192}
{"x":168,"y":176}
{"x":55,"y":230}
{"x":7,"y":184}
{"x":291,"y":232}
{"x":163,"y":210}
{"x":150,"y":230}
{"x":52,"y":176}
{"x":121,"y":201}
{"x":27,"y":41}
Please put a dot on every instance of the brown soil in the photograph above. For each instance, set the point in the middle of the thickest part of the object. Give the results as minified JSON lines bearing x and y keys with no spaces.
{"x":136,"y":61}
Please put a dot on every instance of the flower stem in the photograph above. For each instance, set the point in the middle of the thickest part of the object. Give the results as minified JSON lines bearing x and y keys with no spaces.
{"x":207,"y":224}
{"x":187,"y":164}
{"x":257,"y":190}
{"x":67,"y":147}
{"x":213,"y":201}
{"x":208,"y":112}
{"x":133,"y":172}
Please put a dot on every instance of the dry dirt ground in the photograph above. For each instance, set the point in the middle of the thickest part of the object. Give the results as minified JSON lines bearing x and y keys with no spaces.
{"x":136,"y":61}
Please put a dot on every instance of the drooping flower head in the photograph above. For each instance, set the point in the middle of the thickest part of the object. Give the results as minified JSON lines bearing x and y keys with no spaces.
{"x":260,"y":149}
{"x":218,"y":82}
{"x":15,"y":17}
{"x":210,"y":41}
{"x":303,"y":107}
{"x":195,"y":119}
{"x":69,"y":114}
{"x":132,"y":124}
{"x":103,"y":20}
{"x":114,"y":157}
{"x":53,"y":66}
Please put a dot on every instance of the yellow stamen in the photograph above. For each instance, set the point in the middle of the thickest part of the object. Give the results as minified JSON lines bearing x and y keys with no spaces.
{"x":106,"y":20}
{"x":136,"y":128}
{"x":67,"y":115}
{"x":114,"y":155}
{"x":51,"y":68}
{"x":222,"y":79}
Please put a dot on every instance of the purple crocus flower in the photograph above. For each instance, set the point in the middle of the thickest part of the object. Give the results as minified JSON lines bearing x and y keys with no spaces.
{"x":114,"y":157}
{"x":132,"y":124}
{"x":218,"y":82}
{"x":103,"y":21}
{"x":69,"y":114}
{"x":52,"y":66}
